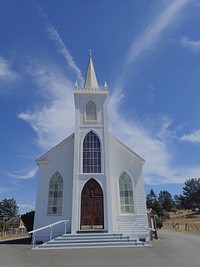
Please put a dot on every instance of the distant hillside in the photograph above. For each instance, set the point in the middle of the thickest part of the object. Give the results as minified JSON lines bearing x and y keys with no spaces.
{"x":184,"y":221}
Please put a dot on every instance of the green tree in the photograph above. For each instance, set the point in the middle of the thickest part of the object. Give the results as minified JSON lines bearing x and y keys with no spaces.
{"x":191,"y":192}
{"x":166,"y":200}
{"x":4,"y":226}
{"x":151,"y":198}
{"x":28,"y":220}
{"x":152,"y":202}
{"x":179,"y":201}
{"x":8,"y":209}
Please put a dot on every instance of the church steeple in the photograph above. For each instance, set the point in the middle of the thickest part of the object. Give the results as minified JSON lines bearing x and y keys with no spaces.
{"x":90,"y":80}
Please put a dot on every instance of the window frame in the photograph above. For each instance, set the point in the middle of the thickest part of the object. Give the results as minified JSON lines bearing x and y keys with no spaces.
{"x":91,"y":153}
{"x":91,"y":111}
{"x":126,"y":194}
{"x":55,"y":195}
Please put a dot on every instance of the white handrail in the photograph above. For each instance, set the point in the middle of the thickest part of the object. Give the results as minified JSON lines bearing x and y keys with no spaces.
{"x":51,"y":229}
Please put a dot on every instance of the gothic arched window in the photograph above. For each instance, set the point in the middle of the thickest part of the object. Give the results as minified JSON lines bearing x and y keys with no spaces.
{"x":91,"y":153}
{"x":126,"y":193}
{"x":91,"y":113}
{"x":55,"y":194}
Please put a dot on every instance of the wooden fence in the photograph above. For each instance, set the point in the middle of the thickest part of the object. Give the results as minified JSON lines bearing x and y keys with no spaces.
{"x":13,"y":232}
{"x":193,"y":227}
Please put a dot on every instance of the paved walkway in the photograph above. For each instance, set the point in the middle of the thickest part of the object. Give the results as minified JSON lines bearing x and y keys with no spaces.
{"x":172,"y":250}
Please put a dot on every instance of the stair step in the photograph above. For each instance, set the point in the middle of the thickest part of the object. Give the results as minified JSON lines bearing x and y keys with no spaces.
{"x":91,"y":235}
{"x":86,"y":238}
{"x":92,"y":240}
{"x":92,"y":245}
{"x":86,"y":231}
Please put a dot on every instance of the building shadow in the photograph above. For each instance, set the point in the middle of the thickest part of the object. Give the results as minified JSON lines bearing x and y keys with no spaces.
{"x":17,"y":241}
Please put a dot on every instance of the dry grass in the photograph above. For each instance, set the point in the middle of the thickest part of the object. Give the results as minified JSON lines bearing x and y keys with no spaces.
{"x":4,"y":237}
{"x":184,"y":221}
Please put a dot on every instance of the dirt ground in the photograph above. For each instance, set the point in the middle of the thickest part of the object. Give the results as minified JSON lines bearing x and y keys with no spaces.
{"x":184,"y":221}
{"x":12,"y":236}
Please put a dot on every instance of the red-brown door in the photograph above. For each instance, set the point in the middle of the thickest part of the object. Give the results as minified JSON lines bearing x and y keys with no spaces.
{"x":92,"y":206}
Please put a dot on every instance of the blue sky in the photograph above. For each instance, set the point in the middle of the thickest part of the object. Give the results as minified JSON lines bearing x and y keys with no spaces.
{"x":148,"y":52}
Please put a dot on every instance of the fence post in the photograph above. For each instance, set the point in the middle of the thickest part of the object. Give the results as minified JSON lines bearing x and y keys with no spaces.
{"x":196,"y":227}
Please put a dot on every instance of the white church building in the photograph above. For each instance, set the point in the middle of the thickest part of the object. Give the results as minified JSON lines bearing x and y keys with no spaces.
{"x":91,"y":178}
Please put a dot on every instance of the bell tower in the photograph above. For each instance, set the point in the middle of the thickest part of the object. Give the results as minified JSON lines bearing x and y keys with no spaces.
{"x":90,"y":148}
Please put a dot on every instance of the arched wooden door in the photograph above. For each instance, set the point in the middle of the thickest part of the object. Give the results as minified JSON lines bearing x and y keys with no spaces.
{"x":92,"y":216}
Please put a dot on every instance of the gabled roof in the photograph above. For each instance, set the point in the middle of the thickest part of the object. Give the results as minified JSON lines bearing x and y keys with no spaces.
{"x":140,"y":159}
{"x":42,"y":158}
{"x":69,"y":138}
{"x":14,"y":221}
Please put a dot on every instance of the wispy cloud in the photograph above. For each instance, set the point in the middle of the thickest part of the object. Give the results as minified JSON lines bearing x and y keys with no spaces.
{"x":165,"y":133}
{"x":152,"y":145}
{"x":54,"y":35}
{"x":193,"y":137}
{"x":23,"y":174}
{"x":155,"y":30}
{"x":54,"y":120}
{"x":191,"y":44}
{"x":151,"y":36}
{"x":133,"y":134}
{"x":157,"y":152}
{"x":6,"y":72}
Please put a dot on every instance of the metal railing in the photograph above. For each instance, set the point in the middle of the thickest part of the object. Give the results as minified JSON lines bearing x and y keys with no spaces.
{"x":97,"y":89}
{"x":50,"y":226}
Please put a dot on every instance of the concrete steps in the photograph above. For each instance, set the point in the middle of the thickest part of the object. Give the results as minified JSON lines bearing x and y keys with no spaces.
{"x":91,"y":240}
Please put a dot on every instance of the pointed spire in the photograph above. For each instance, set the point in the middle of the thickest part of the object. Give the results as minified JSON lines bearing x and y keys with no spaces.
{"x":90,"y":80}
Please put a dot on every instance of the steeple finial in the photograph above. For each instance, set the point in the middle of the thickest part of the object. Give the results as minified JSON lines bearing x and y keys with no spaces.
{"x":90,"y":80}
{"x":90,"y":51}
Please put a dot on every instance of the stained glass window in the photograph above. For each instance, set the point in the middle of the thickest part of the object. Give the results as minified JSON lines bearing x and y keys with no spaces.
{"x":126,"y":194}
{"x":55,"y":194}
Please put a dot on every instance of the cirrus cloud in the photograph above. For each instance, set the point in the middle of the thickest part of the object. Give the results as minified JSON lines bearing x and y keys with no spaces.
{"x":148,"y":40}
{"x":54,"y":35}
{"x":193,"y":137}
{"x":23,"y":174}
{"x":6,"y":72}
{"x":54,"y":120}
{"x":191,"y":44}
